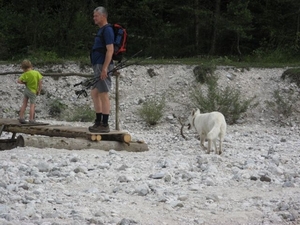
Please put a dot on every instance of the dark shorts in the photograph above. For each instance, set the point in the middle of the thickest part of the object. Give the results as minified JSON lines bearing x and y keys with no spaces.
{"x":30,"y":95}
{"x":102,"y":85}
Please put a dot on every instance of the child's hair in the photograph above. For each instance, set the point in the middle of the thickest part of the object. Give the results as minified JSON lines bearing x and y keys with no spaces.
{"x":26,"y":64}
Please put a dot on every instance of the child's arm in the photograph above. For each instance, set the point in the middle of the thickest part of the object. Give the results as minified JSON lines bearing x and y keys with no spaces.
{"x":40,"y":87}
{"x":21,"y":82}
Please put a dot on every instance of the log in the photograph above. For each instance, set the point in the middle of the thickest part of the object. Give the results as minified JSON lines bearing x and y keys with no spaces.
{"x":117,"y":137}
{"x":52,"y":131}
{"x":95,"y":137}
{"x":82,"y":144}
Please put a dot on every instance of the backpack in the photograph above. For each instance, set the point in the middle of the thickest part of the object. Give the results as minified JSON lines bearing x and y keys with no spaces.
{"x":120,"y":41}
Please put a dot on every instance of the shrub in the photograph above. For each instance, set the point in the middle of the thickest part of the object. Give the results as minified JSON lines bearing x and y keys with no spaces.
{"x":227,"y":101}
{"x":81,"y":113}
{"x":293,"y":75}
{"x":56,"y":108}
{"x":283,"y":103}
{"x":203,"y":72}
{"x":152,"y":110}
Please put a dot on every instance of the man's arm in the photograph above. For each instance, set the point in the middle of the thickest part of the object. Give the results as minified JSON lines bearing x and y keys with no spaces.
{"x":108,"y":57}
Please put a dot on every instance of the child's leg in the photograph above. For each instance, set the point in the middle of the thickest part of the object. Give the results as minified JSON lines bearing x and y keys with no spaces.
{"x":23,"y":108}
{"x":31,"y":112}
{"x":32,"y":98}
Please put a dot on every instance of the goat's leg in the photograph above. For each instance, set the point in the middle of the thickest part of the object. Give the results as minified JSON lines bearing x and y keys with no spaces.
{"x":209,"y":146}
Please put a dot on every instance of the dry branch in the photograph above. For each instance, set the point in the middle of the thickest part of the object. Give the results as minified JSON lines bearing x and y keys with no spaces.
{"x":182,"y":126}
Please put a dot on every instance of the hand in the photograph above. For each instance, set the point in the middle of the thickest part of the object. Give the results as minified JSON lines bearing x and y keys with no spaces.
{"x":103,"y":74}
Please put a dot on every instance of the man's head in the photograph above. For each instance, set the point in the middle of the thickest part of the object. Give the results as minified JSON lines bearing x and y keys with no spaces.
{"x":100,"y":16}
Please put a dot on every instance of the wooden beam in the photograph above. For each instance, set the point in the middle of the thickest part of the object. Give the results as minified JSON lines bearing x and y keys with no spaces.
{"x":68,"y":131}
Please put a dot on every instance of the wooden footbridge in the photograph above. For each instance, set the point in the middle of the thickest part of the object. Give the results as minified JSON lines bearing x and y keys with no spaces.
{"x":43,"y":135}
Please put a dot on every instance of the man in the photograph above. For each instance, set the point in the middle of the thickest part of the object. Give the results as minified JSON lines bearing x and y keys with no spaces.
{"x":102,"y":62}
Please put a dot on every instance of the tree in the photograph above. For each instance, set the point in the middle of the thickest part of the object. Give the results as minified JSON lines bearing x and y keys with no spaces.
{"x":239,"y":23}
{"x":170,"y":28}
{"x":215,"y":27}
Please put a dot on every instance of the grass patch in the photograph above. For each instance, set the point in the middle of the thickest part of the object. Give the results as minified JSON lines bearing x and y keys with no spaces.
{"x":259,"y":59}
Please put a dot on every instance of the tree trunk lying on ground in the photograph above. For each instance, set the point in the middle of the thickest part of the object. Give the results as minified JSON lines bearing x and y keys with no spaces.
{"x":82,"y":144}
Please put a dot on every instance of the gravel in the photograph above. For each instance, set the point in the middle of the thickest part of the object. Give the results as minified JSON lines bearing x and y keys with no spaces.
{"x":255,"y":181}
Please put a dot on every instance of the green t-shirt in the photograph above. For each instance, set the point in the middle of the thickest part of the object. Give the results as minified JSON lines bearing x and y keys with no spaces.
{"x":31,"y":78}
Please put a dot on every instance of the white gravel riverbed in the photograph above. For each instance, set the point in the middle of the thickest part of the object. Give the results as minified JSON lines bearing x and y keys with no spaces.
{"x":256,"y":181}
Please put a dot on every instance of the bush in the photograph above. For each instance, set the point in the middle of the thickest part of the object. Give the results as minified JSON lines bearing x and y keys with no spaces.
{"x":203,"y":72}
{"x":82,"y":114}
{"x":283,"y":103}
{"x":152,"y":110}
{"x":227,"y":101}
{"x":56,"y":108}
{"x":293,"y":75}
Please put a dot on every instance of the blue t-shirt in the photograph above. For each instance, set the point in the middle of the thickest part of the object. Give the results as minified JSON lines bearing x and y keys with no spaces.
{"x":105,"y":36}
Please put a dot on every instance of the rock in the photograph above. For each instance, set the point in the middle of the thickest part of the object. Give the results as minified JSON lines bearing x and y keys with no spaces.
{"x":127,"y":222}
{"x":265,"y":179}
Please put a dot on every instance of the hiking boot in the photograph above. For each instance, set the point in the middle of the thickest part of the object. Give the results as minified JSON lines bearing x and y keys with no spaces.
{"x":32,"y":122}
{"x":22,"y":121}
{"x":99,"y":129}
{"x":105,"y":128}
{"x":96,"y":124}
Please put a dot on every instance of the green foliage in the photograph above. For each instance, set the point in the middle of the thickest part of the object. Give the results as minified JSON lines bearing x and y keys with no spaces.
{"x":56,"y":108}
{"x":152,"y":110}
{"x":163,"y":29}
{"x":80,"y":113}
{"x":293,"y":75}
{"x":283,"y":103}
{"x":228,"y":101}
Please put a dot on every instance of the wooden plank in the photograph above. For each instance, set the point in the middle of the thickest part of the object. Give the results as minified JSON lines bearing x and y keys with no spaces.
{"x":30,"y":124}
{"x":8,"y":121}
{"x":13,"y":125}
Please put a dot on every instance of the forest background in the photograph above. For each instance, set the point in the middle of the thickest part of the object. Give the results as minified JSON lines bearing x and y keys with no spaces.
{"x":261,"y":30}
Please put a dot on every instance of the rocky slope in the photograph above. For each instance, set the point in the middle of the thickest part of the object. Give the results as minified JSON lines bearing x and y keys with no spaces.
{"x":255,"y":181}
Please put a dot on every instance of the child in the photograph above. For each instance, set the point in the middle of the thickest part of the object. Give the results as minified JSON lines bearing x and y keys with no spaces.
{"x":33,"y":81}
